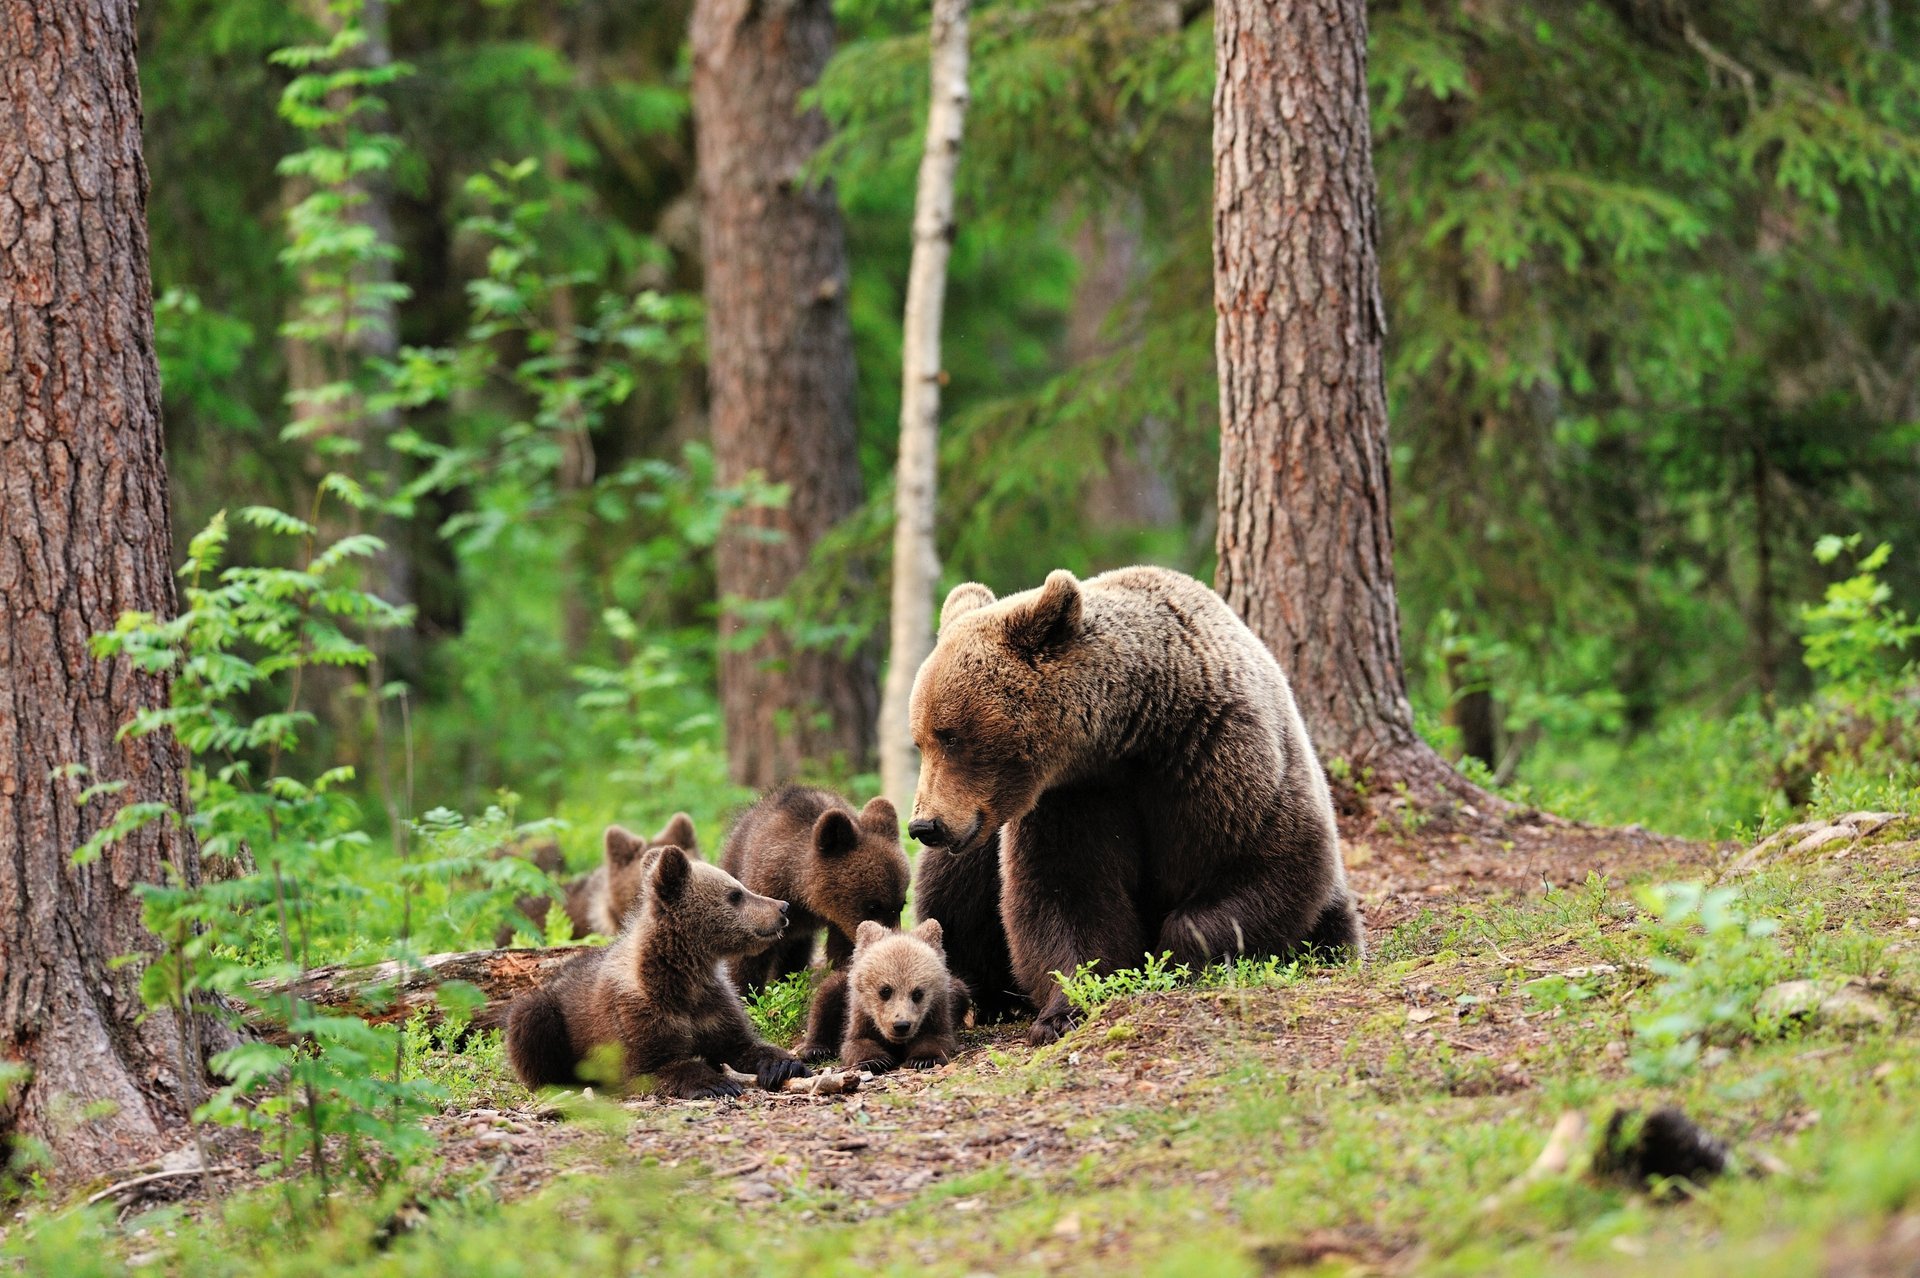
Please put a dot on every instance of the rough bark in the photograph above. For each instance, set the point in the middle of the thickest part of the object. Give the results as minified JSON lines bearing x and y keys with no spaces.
{"x":780,"y":372}
{"x":83,"y":538}
{"x":1306,"y":539}
{"x":392,"y":992}
{"x":916,"y":561}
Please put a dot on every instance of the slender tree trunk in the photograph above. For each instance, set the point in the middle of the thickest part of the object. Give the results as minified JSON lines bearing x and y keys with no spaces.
{"x":1765,"y":668}
{"x":1306,"y":537}
{"x":916,"y":562}
{"x":781,"y":375}
{"x":83,"y":538}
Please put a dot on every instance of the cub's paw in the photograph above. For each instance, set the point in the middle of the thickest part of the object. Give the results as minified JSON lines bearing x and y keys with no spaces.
{"x":873,"y":1065}
{"x":720,"y":1089}
{"x":927,"y":1062}
{"x":814,"y":1053}
{"x":1051,"y":1027}
{"x":776,"y":1072}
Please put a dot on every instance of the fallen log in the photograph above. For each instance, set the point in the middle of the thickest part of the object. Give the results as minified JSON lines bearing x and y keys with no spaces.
{"x":385,"y":993}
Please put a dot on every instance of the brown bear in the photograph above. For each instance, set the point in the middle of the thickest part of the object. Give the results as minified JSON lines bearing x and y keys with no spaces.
{"x":1139,"y":753}
{"x":838,"y":868}
{"x":902,"y":1005}
{"x":963,"y":893}
{"x":598,"y":902}
{"x":657,"y":992}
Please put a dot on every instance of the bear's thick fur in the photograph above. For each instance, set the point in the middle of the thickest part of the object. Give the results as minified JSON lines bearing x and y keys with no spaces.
{"x":838,"y":868}
{"x":657,"y":993}
{"x":963,"y":894}
{"x":902,"y":1005}
{"x":597,"y":901}
{"x":1139,"y":752}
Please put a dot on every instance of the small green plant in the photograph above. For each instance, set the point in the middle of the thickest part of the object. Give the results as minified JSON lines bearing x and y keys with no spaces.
{"x":779,"y":1011}
{"x":1086,"y":987}
{"x":1714,"y":958}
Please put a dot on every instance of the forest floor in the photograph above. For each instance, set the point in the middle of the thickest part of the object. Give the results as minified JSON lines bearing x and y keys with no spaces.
{"x":1384,"y":1117}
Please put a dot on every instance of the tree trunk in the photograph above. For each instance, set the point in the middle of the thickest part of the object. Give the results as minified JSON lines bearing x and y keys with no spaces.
{"x":916,"y":561}
{"x":83,"y":538}
{"x":1306,"y":538}
{"x":781,"y":373}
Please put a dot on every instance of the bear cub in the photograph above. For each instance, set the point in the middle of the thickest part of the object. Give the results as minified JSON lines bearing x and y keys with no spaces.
{"x":902,"y":1004}
{"x":839,"y":869}
{"x":658,"y":993}
{"x":598,"y":901}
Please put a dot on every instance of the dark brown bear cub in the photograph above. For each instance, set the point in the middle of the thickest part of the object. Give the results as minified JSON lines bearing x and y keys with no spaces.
{"x":839,"y":868}
{"x":599,"y":901}
{"x":902,"y":1004}
{"x":657,"y":993}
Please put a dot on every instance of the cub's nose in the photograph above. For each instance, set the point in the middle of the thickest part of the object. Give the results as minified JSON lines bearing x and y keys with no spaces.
{"x":930,"y":833}
{"x":900,"y":1028}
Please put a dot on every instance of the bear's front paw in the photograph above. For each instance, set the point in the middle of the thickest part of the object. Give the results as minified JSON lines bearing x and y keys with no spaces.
{"x":873,"y":1065}
{"x":719,"y":1089}
{"x":928,"y":1062}
{"x":776,"y":1072}
{"x":1051,"y":1027}
{"x":814,"y":1053}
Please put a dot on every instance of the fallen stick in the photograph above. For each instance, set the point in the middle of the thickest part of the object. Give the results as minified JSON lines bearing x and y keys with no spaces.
{"x":115,"y":1190}
{"x":826,"y":1083}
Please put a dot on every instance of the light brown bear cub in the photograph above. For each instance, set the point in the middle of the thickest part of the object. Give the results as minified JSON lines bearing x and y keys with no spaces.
{"x":658,"y":992}
{"x":902,"y":1005}
{"x":599,"y":901}
{"x":839,"y":868}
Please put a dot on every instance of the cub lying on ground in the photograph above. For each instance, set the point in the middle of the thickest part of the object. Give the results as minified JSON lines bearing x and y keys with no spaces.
{"x":902,"y":1005}
{"x":659,"y":993}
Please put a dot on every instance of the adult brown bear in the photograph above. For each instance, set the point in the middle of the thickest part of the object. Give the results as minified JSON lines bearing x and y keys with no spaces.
{"x":1139,"y":754}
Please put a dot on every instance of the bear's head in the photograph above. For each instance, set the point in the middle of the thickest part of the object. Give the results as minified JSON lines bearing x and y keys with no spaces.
{"x":855,"y":870}
{"x":898,"y":977}
{"x":701,"y":910}
{"x":625,"y":853}
{"x":988,"y":709}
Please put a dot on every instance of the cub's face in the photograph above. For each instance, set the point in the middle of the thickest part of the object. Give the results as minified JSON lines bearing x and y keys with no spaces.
{"x":626,"y":859}
{"x":710,"y":907}
{"x":898,"y":977}
{"x":858,"y":872}
{"x":982,"y":712}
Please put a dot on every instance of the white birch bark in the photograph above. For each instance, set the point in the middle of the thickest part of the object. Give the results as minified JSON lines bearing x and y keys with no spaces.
{"x":916,"y":565}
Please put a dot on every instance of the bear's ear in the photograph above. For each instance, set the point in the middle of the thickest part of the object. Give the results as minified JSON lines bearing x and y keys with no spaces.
{"x":929,"y":931}
{"x":623,"y":847}
{"x":678,"y":831}
{"x":671,"y":872}
{"x":834,"y":835}
{"x":880,"y":817}
{"x":963,"y":599}
{"x":1050,"y":622}
{"x":867,"y":933}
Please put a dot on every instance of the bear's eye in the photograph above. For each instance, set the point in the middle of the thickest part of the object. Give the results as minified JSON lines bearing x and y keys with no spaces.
{"x":886,"y":992}
{"x":947,"y":738}
{"x":736,"y":897}
{"x":918,"y":995}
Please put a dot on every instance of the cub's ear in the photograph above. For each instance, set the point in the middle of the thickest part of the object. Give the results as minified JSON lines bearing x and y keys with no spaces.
{"x":867,"y":933}
{"x":671,"y":872}
{"x":880,"y":817}
{"x":623,"y":847}
{"x":929,"y":931}
{"x":1051,"y":621}
{"x":834,"y":835}
{"x":678,"y":831}
{"x":963,"y":599}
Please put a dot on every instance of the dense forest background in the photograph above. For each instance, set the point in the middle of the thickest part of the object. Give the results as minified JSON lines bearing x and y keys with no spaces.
{"x":1653,"y":298}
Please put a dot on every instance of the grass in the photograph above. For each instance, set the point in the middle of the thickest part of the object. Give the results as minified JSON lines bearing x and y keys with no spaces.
{"x":1292,"y":1117}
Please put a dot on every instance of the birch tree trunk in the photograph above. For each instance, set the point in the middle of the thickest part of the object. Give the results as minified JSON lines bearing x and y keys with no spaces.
{"x":916,"y":562}
{"x":98,"y":1079}
{"x":781,"y":375}
{"x":1306,"y":535}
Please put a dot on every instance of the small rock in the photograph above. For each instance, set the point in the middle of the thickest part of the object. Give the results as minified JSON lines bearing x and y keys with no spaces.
{"x":1068,"y":1226}
{"x":753,"y":1191}
{"x":1834,"y":1002}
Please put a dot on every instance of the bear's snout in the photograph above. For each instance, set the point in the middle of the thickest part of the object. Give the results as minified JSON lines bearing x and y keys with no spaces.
{"x":902,"y":1028}
{"x":932,"y":834}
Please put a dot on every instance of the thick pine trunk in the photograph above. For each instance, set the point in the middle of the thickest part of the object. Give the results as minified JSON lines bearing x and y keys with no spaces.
{"x":83,"y":538}
{"x":1306,"y":536}
{"x":916,"y":560}
{"x":781,"y":373}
